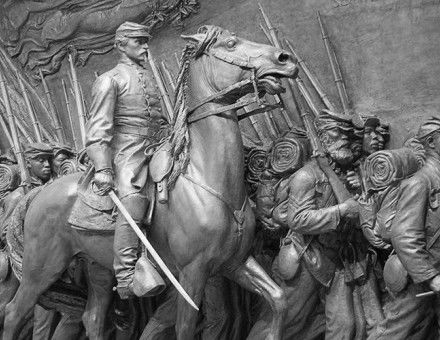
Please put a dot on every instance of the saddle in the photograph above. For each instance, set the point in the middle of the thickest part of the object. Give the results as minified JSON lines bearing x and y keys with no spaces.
{"x":95,"y":213}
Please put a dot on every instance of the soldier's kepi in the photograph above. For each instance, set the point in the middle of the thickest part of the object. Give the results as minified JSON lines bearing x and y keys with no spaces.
{"x":126,"y":116}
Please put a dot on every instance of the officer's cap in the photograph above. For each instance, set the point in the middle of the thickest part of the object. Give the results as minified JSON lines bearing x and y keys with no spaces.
{"x":430,"y":126}
{"x":34,"y":150}
{"x":132,"y":30}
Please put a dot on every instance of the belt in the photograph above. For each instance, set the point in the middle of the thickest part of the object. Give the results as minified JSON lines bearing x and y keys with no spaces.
{"x":144,"y":131}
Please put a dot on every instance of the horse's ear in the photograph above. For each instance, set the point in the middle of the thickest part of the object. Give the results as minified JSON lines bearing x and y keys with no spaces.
{"x":197,"y":38}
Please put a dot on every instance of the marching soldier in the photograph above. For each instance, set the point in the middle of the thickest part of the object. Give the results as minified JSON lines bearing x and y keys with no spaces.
{"x":60,"y":154}
{"x":125,"y":117}
{"x":411,"y":216}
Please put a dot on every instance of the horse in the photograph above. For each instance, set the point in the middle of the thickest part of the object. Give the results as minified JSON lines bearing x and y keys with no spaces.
{"x":207,"y":226}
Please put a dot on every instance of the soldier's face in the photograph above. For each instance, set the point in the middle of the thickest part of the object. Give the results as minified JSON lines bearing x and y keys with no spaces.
{"x":136,"y":49}
{"x":336,"y":142}
{"x":40,"y":167}
{"x":373,"y":140}
{"x":56,"y":163}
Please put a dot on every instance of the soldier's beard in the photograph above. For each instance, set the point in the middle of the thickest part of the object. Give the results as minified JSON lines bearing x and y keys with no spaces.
{"x":340,"y":153}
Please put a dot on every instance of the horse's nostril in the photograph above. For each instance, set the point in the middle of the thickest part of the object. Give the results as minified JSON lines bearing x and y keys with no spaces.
{"x":283,"y":57}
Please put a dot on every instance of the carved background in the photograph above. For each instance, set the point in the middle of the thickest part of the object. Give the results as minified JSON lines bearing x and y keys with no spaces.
{"x":388,"y":50}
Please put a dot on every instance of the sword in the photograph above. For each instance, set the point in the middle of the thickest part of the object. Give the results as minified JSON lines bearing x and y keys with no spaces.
{"x":150,"y":248}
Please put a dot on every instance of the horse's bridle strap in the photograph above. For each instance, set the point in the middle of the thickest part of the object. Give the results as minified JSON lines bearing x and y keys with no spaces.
{"x":237,"y":105}
{"x":221,"y":93}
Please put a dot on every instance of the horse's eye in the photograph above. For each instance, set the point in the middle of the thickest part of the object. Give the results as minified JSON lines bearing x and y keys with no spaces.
{"x":231,"y":43}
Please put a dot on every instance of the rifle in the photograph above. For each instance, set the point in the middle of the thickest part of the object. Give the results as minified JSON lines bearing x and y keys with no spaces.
{"x":255,"y":125}
{"x":78,"y":100}
{"x":161,"y":87}
{"x":266,"y":33}
{"x":312,"y":78}
{"x":335,"y":67}
{"x":16,"y":147}
{"x":6,"y":130}
{"x":169,"y":76}
{"x":31,"y":112}
{"x":339,"y":189}
{"x":69,"y":114}
{"x":55,"y":118}
{"x":306,"y":95}
{"x":272,"y":37}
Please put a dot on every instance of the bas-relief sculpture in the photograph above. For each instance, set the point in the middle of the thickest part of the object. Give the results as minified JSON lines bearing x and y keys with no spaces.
{"x":346,"y":231}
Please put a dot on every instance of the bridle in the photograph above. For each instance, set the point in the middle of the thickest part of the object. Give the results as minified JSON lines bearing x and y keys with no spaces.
{"x":240,"y":103}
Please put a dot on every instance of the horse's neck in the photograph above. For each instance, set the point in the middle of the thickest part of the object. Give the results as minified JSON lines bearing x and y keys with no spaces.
{"x":216,"y":151}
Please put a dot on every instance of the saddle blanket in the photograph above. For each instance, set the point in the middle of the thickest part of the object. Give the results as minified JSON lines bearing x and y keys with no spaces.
{"x":92,"y":212}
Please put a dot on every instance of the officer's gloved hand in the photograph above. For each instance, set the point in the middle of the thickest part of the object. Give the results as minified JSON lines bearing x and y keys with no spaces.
{"x":103,"y":181}
{"x":434,"y":284}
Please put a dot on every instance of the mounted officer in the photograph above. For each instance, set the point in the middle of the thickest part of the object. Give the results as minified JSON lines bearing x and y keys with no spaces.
{"x":126,"y":116}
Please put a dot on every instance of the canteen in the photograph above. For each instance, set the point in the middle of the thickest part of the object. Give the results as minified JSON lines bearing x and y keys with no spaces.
{"x":288,"y":259}
{"x":394,"y":274}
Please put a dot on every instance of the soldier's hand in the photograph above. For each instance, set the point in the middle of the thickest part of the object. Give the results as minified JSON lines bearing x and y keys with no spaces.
{"x":353,"y":179}
{"x":434,"y":284}
{"x":349,"y":208}
{"x":103,"y":181}
{"x":366,"y":212}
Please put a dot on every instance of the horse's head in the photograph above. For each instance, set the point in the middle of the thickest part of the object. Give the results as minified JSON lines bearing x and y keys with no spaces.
{"x":228,"y":59}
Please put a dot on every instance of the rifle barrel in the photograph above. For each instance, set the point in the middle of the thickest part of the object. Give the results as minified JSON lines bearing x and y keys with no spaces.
{"x":78,"y":100}
{"x":342,"y":92}
{"x":69,"y":114}
{"x":53,"y":111}
{"x":306,"y":95}
{"x":161,"y":87}
{"x":16,"y":147}
{"x":267,"y":34}
{"x":169,"y":76}
{"x":312,"y":78}
{"x":272,"y":30}
{"x":31,"y":112}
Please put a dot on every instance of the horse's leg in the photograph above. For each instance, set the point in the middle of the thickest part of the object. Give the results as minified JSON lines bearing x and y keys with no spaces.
{"x":193,"y":279}
{"x":42,"y":266}
{"x":8,"y":288}
{"x":99,"y":283}
{"x":252,"y":277}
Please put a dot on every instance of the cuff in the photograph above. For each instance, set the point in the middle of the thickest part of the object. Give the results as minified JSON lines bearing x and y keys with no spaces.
{"x":101,"y":156}
{"x":427,"y":275}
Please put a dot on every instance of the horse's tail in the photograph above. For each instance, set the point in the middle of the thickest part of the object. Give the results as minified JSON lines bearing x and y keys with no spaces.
{"x":14,"y":228}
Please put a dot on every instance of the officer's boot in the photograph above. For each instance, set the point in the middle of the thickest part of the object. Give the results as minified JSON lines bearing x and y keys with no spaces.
{"x":126,"y":246}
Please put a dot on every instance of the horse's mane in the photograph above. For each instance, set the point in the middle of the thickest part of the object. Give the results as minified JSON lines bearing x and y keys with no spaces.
{"x":179,"y":138}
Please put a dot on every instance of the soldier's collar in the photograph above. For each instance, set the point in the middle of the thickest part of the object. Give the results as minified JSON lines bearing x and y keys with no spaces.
{"x":127,"y":61}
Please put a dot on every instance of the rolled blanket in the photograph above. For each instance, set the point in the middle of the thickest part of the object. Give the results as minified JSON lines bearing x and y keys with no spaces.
{"x":9,"y":178}
{"x":69,"y":166}
{"x":256,"y":163}
{"x":288,"y":154}
{"x":385,"y":167}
